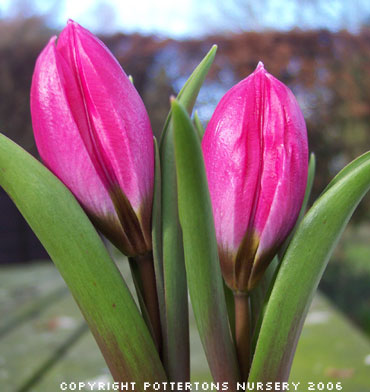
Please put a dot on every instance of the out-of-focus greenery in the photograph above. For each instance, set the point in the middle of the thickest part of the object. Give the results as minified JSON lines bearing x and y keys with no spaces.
{"x":347,"y":278}
{"x":331,"y":350}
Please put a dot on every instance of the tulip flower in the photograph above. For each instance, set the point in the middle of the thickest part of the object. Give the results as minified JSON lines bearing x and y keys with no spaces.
{"x":93,"y":132}
{"x":256,"y":157}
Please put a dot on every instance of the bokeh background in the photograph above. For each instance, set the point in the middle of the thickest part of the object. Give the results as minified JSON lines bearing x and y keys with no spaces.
{"x":319,"y":48}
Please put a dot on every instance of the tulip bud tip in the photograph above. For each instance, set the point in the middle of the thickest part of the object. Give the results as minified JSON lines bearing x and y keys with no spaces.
{"x":52,"y":39}
{"x":72,"y":22}
{"x":260,"y":66}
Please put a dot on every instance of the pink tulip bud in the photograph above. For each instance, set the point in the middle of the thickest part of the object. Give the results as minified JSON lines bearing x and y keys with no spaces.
{"x":93,"y":132}
{"x":256,"y":157}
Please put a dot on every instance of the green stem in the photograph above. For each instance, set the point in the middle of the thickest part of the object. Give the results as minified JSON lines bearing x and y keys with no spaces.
{"x":148,"y":290}
{"x":242,"y":332}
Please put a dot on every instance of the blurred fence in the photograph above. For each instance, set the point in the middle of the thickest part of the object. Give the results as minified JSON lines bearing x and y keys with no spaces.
{"x":328,"y":72}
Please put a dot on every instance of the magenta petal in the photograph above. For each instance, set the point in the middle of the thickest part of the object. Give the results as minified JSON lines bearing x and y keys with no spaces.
{"x":232,"y":158}
{"x":118,"y":136}
{"x":285,"y":166}
{"x":93,"y":132}
{"x":256,"y":157}
{"x":57,"y":136}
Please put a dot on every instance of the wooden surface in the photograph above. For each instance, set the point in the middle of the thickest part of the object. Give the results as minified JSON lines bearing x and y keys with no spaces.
{"x":44,"y":340}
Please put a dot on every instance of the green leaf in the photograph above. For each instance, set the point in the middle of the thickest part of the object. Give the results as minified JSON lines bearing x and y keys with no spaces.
{"x":230,"y":306}
{"x":301,"y":270}
{"x":201,"y":255}
{"x":189,"y":92}
{"x":176,"y":353}
{"x":157,"y":241}
{"x":198,"y":126}
{"x":83,"y":261}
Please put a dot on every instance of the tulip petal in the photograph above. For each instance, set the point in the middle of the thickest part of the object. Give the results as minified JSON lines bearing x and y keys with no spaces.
{"x":256,"y":157}
{"x":284,"y":168}
{"x":119,"y":127}
{"x":58,"y":138}
{"x":232,"y":184}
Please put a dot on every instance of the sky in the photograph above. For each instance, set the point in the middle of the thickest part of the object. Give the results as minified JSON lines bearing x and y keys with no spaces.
{"x":194,"y":18}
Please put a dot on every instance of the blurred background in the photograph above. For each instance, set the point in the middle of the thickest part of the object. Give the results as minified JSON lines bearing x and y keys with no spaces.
{"x":319,"y":48}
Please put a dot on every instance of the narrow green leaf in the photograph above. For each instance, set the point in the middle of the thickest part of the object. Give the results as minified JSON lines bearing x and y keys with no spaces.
{"x":176,"y":350}
{"x":176,"y":353}
{"x":201,"y":255}
{"x":157,"y":242}
{"x":189,"y":92}
{"x":83,"y":261}
{"x":301,"y":270}
{"x":198,"y":126}
{"x":230,"y":306}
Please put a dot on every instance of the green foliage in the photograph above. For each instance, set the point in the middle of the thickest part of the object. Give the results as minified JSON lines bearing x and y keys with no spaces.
{"x":176,"y":345}
{"x":83,"y":261}
{"x":198,"y":125}
{"x":346,"y":279}
{"x":200,"y":247}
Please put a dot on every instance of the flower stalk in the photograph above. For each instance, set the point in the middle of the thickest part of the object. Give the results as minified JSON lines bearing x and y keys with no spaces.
{"x":143,"y":269}
{"x":242,"y":332}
